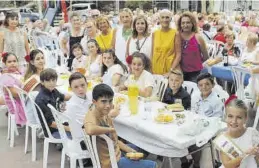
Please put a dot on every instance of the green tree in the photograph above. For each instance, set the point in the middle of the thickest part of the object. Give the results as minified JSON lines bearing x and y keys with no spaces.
{"x":144,"y":4}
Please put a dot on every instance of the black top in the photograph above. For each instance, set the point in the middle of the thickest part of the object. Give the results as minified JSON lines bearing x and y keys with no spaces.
{"x":72,"y":41}
{"x":169,"y":97}
{"x":44,"y":98}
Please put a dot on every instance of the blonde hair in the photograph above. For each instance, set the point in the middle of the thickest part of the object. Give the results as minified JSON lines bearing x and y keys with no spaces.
{"x":229,"y":34}
{"x":176,"y":72}
{"x":237,"y":103}
{"x":252,"y":37}
{"x":101,"y":18}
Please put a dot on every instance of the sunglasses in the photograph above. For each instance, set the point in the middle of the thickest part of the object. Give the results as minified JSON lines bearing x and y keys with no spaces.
{"x":185,"y":44}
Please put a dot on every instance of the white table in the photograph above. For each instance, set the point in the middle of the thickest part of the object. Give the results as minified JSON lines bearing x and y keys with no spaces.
{"x":160,"y":139}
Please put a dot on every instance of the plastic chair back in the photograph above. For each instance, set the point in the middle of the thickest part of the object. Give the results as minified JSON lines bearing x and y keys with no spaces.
{"x":239,"y":74}
{"x":5,"y":89}
{"x":256,"y":118}
{"x":110,"y":148}
{"x":41,"y":117}
{"x":89,"y":146}
{"x":190,"y":87}
{"x":161,"y":84}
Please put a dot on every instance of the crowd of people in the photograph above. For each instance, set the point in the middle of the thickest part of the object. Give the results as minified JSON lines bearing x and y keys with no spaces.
{"x":138,"y":44}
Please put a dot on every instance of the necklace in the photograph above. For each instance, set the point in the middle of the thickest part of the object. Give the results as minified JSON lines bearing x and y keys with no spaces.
{"x":126,"y":33}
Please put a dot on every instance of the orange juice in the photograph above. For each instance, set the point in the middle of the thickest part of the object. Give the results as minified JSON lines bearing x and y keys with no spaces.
{"x":69,"y":89}
{"x":133,"y":92}
{"x":81,"y":70}
{"x":89,"y":85}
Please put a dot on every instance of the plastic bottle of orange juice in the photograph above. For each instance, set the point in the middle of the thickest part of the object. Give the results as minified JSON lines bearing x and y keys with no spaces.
{"x":133,"y":93}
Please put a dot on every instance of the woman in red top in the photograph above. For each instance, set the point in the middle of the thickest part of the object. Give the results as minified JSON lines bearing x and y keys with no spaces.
{"x":220,"y":34}
{"x":194,"y":51}
{"x":230,"y":47}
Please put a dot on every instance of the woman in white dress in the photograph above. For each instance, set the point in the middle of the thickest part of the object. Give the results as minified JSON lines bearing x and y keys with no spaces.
{"x":94,"y":59}
{"x":122,"y":34}
{"x":113,"y":71}
{"x":141,"y":40}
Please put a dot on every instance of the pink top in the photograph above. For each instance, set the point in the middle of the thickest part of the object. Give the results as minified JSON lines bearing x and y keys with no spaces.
{"x":191,"y":58}
{"x":11,"y":80}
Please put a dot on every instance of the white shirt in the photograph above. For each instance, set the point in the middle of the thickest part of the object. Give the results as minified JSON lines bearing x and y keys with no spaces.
{"x":120,"y":45}
{"x":144,"y":43}
{"x":115,"y":69}
{"x":212,"y":106}
{"x":95,"y":67}
{"x":79,"y":63}
{"x":145,"y":80}
{"x":76,"y":109}
{"x":249,"y":56}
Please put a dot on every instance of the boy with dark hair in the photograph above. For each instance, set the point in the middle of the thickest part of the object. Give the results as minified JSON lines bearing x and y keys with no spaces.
{"x":48,"y":94}
{"x":97,"y":122}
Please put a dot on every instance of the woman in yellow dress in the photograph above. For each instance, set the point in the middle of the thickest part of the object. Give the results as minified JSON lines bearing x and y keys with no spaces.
{"x":104,"y":39}
{"x":166,"y":46}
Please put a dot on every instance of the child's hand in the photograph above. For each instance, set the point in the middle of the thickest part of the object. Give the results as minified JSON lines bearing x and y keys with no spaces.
{"x":115,"y":112}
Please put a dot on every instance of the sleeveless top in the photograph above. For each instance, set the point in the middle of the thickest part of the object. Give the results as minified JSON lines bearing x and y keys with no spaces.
{"x":72,"y":41}
{"x":191,"y":58}
{"x":145,"y":45}
{"x":14,"y":42}
{"x":120,"y":45}
{"x":162,"y":47}
{"x":105,"y":41}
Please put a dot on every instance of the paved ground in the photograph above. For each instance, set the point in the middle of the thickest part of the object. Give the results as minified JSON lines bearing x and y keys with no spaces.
{"x":15,"y":157}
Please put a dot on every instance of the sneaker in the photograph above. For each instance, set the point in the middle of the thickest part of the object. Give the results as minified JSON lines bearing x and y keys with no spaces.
{"x":187,"y":164}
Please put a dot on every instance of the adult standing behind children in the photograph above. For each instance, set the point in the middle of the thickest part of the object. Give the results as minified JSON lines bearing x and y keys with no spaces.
{"x":166,"y":46}
{"x":72,"y":37}
{"x":194,"y":51}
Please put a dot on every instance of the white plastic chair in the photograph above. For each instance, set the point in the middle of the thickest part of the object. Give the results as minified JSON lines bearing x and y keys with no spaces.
{"x":47,"y":140}
{"x":190,"y":87}
{"x":222,"y":94}
{"x":33,"y":126}
{"x":161,"y":84}
{"x":215,"y":48}
{"x":110,"y":148}
{"x":71,"y":147}
{"x":89,"y":146}
{"x":12,"y":127}
{"x":239,"y":74}
{"x":256,"y":118}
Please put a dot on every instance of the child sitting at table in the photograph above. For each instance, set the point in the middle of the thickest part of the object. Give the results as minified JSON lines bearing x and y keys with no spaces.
{"x":48,"y":94}
{"x":80,"y":60}
{"x":206,"y":102}
{"x":140,"y":67}
{"x":98,"y":122}
{"x":176,"y":91}
{"x":12,"y":78}
{"x":246,"y":139}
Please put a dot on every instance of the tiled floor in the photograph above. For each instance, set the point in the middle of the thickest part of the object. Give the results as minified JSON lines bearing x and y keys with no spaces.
{"x":15,"y":157}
